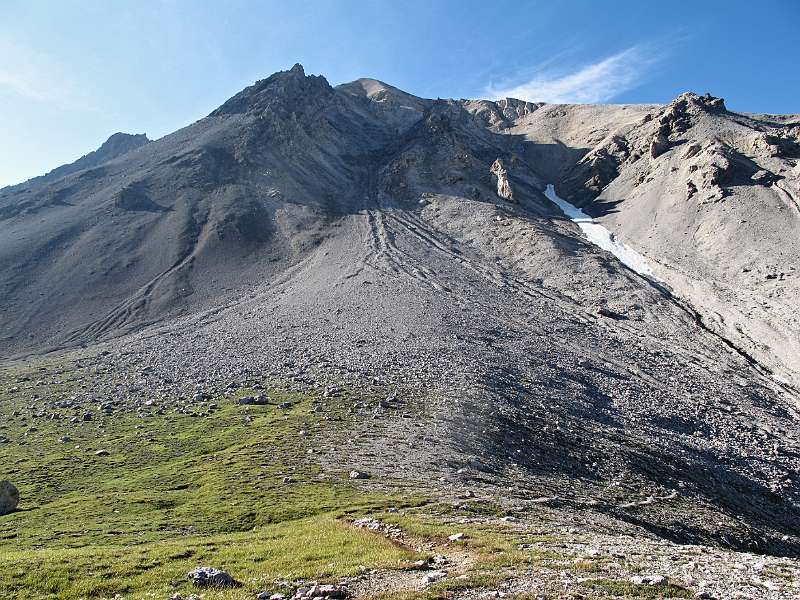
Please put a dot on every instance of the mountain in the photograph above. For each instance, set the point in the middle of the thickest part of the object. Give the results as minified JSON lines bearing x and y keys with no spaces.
{"x":117,"y":145}
{"x":358,"y":237}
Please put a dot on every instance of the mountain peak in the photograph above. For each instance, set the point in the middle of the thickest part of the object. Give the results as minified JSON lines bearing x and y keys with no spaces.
{"x":120,"y":142}
{"x":288,"y":86}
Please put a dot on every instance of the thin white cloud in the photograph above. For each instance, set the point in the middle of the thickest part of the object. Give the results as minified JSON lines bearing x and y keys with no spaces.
{"x":36,"y":77}
{"x":597,"y":82}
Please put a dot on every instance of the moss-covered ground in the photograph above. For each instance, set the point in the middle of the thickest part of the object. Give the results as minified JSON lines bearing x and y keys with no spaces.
{"x":239,"y":489}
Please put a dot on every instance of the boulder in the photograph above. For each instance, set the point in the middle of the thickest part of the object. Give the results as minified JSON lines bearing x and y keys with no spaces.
{"x":211,"y":577}
{"x":9,"y":497}
{"x":659,"y":144}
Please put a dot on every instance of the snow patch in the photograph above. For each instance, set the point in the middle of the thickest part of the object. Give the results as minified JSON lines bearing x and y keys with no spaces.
{"x":600,"y":236}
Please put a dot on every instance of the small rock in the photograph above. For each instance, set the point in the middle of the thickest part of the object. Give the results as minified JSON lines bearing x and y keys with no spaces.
{"x":456,"y":537}
{"x":334,"y":592}
{"x":763,"y":177}
{"x":433,"y":576}
{"x":648,"y":579}
{"x":210,"y":577}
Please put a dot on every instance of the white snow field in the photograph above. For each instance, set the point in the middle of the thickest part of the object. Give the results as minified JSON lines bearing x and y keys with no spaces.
{"x":600,"y":236}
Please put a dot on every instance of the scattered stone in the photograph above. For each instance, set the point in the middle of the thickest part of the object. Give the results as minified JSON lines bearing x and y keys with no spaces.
{"x":648,"y":579}
{"x":433,"y":576}
{"x":260,"y":400}
{"x":421,"y":564}
{"x":324,"y":592}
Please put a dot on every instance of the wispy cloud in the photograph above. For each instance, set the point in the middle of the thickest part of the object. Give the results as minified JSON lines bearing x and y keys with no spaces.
{"x":36,"y":77}
{"x":596,"y":82}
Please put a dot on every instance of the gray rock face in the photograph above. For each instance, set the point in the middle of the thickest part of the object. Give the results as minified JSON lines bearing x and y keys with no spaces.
{"x":9,"y":497}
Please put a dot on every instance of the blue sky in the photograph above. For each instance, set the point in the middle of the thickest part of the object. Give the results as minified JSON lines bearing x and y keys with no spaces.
{"x":74,"y":72}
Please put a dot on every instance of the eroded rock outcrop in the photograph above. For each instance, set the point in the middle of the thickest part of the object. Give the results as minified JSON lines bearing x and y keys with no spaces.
{"x":711,"y":169}
{"x":503,"y":184}
{"x":659,"y":144}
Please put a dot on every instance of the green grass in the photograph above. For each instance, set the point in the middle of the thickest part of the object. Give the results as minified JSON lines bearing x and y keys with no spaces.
{"x":176,"y":492}
{"x":318,"y":547}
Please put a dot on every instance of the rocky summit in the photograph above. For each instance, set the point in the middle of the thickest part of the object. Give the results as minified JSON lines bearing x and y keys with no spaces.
{"x":338,"y":341}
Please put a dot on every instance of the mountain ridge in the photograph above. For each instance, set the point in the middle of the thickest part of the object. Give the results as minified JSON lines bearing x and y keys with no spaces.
{"x":353,"y":237}
{"x":272,"y":106}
